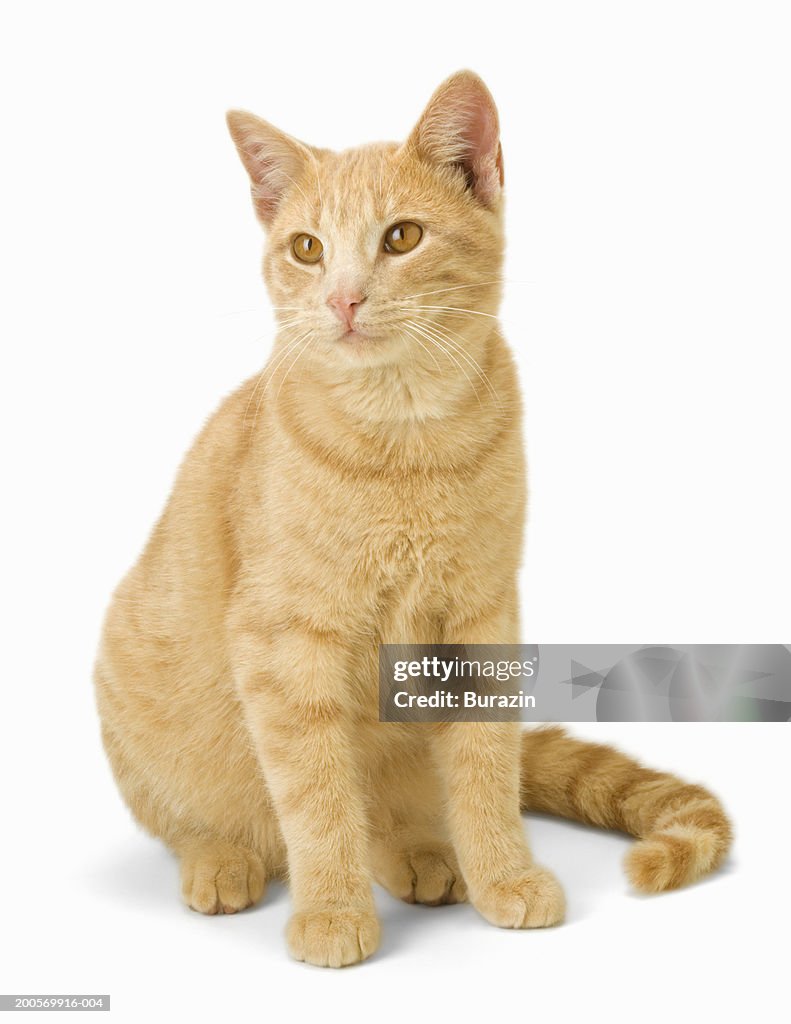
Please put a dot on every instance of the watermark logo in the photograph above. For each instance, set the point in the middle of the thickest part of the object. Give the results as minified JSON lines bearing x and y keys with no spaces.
{"x":585,"y":683}
{"x":457,"y":682}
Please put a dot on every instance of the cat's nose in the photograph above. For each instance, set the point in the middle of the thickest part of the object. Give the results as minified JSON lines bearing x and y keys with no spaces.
{"x":344,"y":304}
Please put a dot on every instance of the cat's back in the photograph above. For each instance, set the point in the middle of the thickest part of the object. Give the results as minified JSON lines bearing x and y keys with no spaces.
{"x":178,"y":589}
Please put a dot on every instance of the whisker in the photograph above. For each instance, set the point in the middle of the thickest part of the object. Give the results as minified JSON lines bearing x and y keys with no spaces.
{"x":457,"y":309}
{"x":290,"y":322}
{"x":403,"y":334}
{"x":266,"y":375}
{"x":451,"y":334}
{"x":272,"y":368}
{"x":459,"y":287}
{"x":284,"y":354}
{"x":450,"y":355}
{"x":253,"y":393}
{"x":415,"y":337}
{"x":430,"y":326}
{"x":426,"y":350}
{"x":296,"y":360}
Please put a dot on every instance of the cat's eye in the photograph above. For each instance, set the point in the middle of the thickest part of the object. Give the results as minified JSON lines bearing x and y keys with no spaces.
{"x":402,"y":237}
{"x":307,"y":248}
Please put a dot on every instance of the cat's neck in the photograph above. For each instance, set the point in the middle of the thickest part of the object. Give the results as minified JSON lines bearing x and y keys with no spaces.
{"x":414,"y":414}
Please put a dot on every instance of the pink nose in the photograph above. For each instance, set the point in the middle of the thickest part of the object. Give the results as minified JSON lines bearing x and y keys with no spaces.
{"x":344,"y":305}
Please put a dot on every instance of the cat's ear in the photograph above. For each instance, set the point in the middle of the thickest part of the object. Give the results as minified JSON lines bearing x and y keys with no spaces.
{"x":460,"y":127}
{"x":273,"y":160}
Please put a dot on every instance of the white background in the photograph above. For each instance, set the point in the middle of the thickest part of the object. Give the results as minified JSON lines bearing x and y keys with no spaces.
{"x":648,"y":161}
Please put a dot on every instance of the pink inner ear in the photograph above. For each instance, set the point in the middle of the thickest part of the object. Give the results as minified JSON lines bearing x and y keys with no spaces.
{"x":273,"y":160}
{"x":460,"y":127}
{"x":485,"y":153}
{"x":268,"y":184}
{"x":482,"y":133}
{"x":273,"y":169}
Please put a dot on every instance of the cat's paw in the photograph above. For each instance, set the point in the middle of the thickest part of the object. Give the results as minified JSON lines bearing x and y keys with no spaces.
{"x":333,"y":938}
{"x":217,"y":878}
{"x":533,"y":899}
{"x":427,"y":873}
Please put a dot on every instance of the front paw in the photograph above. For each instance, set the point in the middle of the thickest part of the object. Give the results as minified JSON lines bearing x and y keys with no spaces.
{"x":532,"y":899}
{"x":333,"y":938}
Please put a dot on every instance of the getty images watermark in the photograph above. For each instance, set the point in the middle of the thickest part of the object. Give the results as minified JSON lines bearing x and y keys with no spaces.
{"x":585,"y":683}
{"x":456,"y":682}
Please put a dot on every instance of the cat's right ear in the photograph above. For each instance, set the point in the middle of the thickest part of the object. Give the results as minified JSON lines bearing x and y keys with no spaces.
{"x":273,"y":160}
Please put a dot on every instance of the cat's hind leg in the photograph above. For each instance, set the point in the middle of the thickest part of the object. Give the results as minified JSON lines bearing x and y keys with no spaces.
{"x":417,"y":868}
{"x":410,"y":854}
{"x":215,"y":815}
{"x":219,"y":877}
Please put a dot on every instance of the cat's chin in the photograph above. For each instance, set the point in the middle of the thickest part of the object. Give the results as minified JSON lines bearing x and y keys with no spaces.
{"x":362,"y":347}
{"x":362,"y":334}
{"x":355,"y":336}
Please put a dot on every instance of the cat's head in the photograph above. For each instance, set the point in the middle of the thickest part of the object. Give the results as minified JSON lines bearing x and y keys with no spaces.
{"x":388,"y":252}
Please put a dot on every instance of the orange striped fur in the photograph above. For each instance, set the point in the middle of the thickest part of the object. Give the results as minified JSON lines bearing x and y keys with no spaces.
{"x":683,"y":830}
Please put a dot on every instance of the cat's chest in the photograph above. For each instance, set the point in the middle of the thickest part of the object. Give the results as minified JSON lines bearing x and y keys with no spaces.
{"x":404,"y":543}
{"x":393,"y":530}
{"x":402,"y":556}
{"x":368,"y":532}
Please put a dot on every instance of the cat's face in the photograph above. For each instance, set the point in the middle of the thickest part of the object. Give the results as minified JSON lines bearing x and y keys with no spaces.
{"x":386,"y":253}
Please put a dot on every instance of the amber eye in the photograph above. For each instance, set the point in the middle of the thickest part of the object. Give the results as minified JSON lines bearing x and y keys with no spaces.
{"x":307,"y":248}
{"x":402,"y":237}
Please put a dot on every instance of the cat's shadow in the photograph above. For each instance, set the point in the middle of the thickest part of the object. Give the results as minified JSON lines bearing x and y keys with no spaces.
{"x":142,"y":875}
{"x":588,"y":861}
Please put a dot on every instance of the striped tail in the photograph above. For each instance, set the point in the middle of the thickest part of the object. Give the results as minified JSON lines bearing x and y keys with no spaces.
{"x":683,"y":830}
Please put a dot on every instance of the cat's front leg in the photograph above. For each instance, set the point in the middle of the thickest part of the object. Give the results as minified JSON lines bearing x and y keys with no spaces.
{"x":292,"y":690}
{"x":480,"y":762}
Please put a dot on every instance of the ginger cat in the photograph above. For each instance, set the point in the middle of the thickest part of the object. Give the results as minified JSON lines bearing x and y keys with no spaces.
{"x":368,"y":487}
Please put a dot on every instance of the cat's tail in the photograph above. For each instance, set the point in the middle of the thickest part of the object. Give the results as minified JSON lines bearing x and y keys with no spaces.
{"x":683,"y":830}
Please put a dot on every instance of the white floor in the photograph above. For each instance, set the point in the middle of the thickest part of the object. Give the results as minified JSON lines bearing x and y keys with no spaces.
{"x":91,"y":905}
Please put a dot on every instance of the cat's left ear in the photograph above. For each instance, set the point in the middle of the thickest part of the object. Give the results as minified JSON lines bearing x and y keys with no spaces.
{"x":460,"y":127}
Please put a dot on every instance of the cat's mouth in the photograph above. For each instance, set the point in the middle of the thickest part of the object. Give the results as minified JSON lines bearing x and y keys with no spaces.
{"x":355,"y":336}
{"x":367,"y":344}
